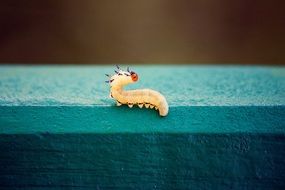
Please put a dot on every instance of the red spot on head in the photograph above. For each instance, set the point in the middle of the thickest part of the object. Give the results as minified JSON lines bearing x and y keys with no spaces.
{"x":134,"y":76}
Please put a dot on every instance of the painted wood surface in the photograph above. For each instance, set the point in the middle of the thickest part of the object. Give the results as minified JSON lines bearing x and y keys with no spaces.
{"x":225,"y":129}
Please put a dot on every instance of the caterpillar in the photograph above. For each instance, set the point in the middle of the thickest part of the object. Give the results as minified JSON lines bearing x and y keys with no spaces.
{"x":141,"y":97}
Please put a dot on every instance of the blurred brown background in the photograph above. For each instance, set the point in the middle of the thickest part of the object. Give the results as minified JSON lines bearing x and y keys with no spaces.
{"x":137,"y":31}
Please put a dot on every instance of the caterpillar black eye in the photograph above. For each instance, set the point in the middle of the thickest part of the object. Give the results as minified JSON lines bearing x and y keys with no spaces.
{"x":127,"y":74}
{"x":119,"y":73}
{"x":109,"y":81}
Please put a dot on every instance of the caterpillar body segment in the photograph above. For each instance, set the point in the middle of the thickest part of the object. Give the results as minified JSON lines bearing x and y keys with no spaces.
{"x":142,"y":97}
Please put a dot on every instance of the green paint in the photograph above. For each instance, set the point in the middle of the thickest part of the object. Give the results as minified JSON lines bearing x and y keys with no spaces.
{"x":182,"y":85}
{"x":80,"y":119}
{"x":225,"y":129}
{"x":142,"y":161}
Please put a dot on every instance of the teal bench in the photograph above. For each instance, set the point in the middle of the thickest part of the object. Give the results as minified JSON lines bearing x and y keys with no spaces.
{"x":225,"y":129}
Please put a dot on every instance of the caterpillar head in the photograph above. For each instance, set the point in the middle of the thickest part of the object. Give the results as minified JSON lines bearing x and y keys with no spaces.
{"x":121,"y":78}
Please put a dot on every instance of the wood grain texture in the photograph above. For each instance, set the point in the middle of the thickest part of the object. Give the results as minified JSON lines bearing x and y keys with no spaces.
{"x":59,"y":129}
{"x":142,"y":161}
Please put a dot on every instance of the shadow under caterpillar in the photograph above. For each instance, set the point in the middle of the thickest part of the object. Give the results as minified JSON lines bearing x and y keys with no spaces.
{"x":141,"y":97}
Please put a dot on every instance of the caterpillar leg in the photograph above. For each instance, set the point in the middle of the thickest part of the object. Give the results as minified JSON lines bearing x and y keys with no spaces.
{"x":130,"y":105}
{"x":151,"y":106}
{"x":118,"y":103}
{"x":140,"y":105}
{"x":146,"y":105}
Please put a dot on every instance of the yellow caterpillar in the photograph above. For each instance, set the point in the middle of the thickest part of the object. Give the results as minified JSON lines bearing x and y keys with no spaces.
{"x":142,"y":97}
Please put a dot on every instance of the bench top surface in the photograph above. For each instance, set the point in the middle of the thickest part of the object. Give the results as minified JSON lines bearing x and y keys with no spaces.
{"x":182,"y":85}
